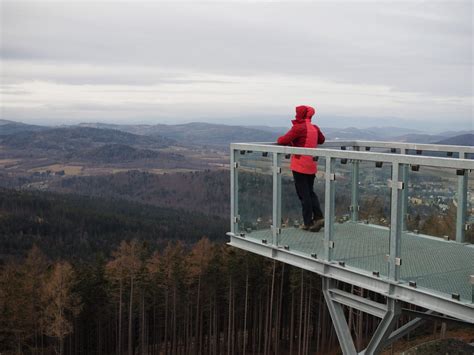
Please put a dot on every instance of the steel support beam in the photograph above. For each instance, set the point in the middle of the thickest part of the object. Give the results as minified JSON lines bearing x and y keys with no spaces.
{"x":384,"y":329}
{"x":462,"y":204}
{"x":329,"y":202}
{"x":404,"y":330}
{"x":389,"y":314}
{"x":338,"y":319}
{"x":431,"y":315}
{"x":363,"y":304}
{"x":276,"y":214}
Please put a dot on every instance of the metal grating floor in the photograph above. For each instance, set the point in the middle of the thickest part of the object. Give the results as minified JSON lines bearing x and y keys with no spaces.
{"x":433,"y":263}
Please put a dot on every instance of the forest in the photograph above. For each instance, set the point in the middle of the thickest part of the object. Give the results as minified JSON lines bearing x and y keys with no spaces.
{"x":80,"y":227}
{"x":204,"y":299}
{"x":90,"y":275}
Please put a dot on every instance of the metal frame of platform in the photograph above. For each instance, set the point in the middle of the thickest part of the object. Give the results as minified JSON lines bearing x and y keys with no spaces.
{"x":391,"y":286}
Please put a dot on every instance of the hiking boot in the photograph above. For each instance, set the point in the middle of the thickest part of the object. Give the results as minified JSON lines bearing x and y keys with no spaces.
{"x":317,"y":225}
{"x":305,"y":227}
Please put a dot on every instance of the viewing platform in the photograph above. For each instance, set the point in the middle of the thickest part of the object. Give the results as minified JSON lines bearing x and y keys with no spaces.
{"x":398,"y":222}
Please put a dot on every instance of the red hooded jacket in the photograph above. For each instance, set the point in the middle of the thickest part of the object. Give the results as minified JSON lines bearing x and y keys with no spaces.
{"x":303,"y":134}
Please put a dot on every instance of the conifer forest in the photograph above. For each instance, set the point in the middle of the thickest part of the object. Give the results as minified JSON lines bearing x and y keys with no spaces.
{"x":82,"y":275}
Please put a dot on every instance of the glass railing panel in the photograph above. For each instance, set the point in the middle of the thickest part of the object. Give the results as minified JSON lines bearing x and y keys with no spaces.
{"x":343,"y":190}
{"x":469,"y":230}
{"x":255,"y":193}
{"x":293,"y":236}
{"x":431,"y":204}
{"x":431,"y":257}
{"x":361,"y":239}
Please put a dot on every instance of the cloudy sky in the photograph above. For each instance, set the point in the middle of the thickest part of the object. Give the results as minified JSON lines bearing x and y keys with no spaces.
{"x":390,"y":62}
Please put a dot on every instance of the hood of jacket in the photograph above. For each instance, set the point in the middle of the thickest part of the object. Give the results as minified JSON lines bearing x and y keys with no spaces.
{"x":303,"y":113}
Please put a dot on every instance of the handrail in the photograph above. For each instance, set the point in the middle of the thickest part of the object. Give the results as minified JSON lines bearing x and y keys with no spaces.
{"x":397,"y":145}
{"x":454,"y":163}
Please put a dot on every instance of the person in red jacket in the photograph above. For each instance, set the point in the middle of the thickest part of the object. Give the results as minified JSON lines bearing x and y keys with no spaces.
{"x":304,"y":168}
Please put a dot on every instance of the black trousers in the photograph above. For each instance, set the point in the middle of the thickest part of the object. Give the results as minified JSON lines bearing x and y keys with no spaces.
{"x":309,"y":200}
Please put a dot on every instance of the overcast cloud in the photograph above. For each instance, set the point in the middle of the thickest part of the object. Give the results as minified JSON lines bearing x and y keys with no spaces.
{"x":69,"y":61}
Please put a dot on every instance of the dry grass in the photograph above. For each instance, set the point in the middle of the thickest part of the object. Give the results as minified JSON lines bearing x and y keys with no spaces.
{"x":68,"y":169}
{"x":4,"y":162}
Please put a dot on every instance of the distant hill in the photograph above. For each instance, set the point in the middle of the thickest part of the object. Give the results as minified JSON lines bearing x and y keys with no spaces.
{"x":418,"y":138}
{"x":196,"y":133}
{"x":351,"y":133}
{"x":71,"y":139}
{"x":463,"y":139}
{"x":218,"y":135}
{"x":11,"y":127}
{"x":449,"y":134}
{"x":212,"y":134}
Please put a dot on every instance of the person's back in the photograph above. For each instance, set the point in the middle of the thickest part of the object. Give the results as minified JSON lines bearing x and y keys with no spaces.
{"x":304,"y":134}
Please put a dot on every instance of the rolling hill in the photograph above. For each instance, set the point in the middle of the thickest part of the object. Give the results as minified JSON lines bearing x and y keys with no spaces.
{"x":11,"y":127}
{"x":463,"y":139}
{"x":197,"y":133}
{"x":71,"y":139}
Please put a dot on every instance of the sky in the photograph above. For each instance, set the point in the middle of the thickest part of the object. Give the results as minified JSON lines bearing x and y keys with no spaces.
{"x":386,"y":63}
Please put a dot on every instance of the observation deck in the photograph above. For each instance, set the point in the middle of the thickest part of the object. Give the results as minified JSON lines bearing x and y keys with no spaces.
{"x":398,"y":222}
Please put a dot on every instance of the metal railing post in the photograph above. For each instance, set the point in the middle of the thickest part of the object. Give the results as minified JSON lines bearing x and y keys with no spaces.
{"x":355,"y":189}
{"x":329,"y":202}
{"x":394,"y":258}
{"x":276,"y":215}
{"x":234,"y":191}
{"x":405,"y":177}
{"x":462,"y":203}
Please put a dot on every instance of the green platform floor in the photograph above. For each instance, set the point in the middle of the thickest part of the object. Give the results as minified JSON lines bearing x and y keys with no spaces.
{"x":433,"y":263}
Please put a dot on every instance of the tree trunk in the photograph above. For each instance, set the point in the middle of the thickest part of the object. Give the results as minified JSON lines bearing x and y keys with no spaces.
{"x":443,"y":330}
{"x":166,"y":320}
{"x":308,"y":323}
{"x":174,"y":337}
{"x":270,"y":311}
{"x":318,"y":333}
{"x":143,"y":330}
{"x":130,"y":316}
{"x":197,"y":328}
{"x":279,"y":313}
{"x":61,"y":345}
{"x":229,"y":315}
{"x":260,"y":325}
{"x":301,"y":314}
{"x":292,"y":322}
{"x":245,"y":310}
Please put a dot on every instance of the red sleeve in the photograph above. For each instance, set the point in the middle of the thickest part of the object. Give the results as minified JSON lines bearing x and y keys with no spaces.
{"x":321,"y":138}
{"x":289,"y":137}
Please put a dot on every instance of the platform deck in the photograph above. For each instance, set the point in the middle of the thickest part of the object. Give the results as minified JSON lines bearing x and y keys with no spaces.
{"x":433,"y":263}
